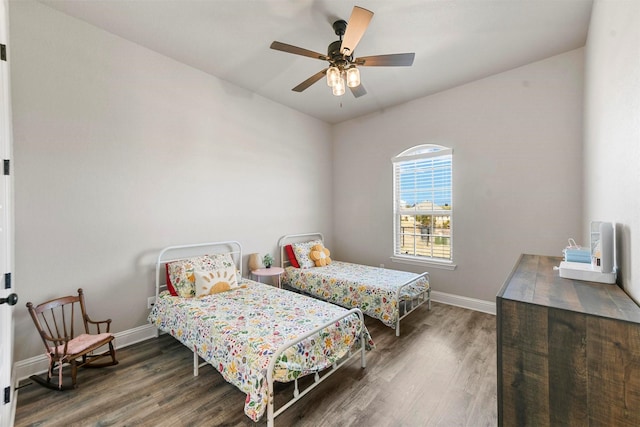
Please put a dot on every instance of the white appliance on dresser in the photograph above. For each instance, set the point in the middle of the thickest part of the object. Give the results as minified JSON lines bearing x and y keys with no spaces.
{"x":602,"y":267}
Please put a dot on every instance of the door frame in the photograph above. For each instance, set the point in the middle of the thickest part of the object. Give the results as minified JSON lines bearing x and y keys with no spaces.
{"x":7,"y":386}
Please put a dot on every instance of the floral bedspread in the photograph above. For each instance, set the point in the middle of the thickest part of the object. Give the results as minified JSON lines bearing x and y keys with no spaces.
{"x":372,"y":289}
{"x":238,"y":331}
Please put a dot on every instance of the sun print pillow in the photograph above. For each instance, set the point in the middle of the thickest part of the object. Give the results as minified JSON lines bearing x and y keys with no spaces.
{"x":215,"y":281}
{"x":182,"y":272}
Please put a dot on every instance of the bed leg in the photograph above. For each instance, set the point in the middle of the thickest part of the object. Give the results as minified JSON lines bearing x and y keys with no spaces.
{"x":270,"y":408}
{"x":363,"y":358}
{"x":398,"y":326}
{"x":195,"y":363}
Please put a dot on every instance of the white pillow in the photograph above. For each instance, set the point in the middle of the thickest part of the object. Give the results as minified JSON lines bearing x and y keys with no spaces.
{"x":215,"y":281}
{"x":302,"y":251}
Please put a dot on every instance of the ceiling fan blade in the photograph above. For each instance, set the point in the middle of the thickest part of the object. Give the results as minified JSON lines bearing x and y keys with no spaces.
{"x":356,"y":27}
{"x":311,"y":80}
{"x":393,"y":60}
{"x":358,"y":91}
{"x":297,"y":50}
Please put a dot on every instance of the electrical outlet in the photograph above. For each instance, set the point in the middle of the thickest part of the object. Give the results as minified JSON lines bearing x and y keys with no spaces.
{"x":151,"y":301}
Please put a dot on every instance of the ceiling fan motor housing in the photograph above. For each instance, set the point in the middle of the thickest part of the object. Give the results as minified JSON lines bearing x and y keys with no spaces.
{"x":333,"y":52}
{"x":340,"y":27}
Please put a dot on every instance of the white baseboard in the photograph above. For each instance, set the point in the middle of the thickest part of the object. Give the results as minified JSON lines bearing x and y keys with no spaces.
{"x":39,"y":364}
{"x":464,"y":302}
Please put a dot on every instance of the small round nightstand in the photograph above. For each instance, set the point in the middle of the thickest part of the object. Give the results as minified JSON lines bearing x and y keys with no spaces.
{"x":268,"y":272}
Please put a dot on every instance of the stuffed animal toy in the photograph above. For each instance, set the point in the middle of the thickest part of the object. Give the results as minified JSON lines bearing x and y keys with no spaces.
{"x":320,"y":255}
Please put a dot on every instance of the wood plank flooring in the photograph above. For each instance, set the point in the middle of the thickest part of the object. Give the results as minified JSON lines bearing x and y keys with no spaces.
{"x":440,"y":372}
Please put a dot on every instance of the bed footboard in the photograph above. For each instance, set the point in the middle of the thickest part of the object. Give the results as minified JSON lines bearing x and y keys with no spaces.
{"x":297,"y":394}
{"x":413,"y":303}
{"x":272,"y":413}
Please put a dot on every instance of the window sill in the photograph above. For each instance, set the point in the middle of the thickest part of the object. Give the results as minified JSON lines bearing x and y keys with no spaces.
{"x":444,"y":265}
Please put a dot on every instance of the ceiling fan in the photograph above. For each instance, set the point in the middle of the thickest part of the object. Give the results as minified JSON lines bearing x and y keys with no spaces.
{"x":343,"y":67}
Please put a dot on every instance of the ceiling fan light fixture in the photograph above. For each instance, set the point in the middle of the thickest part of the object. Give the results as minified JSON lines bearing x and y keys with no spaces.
{"x":333,"y":75}
{"x":339,"y":88}
{"x":353,"y":77}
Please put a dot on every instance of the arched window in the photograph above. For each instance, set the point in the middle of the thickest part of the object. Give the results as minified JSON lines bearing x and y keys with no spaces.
{"x":422,"y":204}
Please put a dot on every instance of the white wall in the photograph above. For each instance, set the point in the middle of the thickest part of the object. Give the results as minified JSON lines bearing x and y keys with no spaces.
{"x":516,"y":139}
{"x":612,"y":130}
{"x":120,"y":152}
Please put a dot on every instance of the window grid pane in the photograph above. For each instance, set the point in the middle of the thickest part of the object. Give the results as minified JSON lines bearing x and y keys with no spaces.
{"x":425,"y":236}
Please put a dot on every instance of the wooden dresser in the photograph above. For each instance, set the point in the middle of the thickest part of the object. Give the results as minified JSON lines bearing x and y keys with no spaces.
{"x":568,"y":350}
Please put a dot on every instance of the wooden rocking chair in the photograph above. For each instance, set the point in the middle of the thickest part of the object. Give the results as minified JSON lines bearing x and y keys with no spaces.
{"x":55,"y":321}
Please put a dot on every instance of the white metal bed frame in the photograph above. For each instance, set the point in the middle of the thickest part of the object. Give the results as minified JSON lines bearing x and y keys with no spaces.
{"x":409,"y":305}
{"x":234,"y":248}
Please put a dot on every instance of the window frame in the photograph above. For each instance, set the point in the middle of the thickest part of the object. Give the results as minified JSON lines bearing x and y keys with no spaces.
{"x":418,"y":152}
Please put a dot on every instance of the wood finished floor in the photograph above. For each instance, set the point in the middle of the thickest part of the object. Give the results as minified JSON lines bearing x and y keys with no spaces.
{"x":440,"y":372}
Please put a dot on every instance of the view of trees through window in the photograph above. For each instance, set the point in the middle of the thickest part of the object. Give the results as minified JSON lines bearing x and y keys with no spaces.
{"x":422,"y":202}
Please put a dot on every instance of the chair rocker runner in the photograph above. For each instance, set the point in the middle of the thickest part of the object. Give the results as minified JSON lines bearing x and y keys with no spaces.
{"x":55,"y":321}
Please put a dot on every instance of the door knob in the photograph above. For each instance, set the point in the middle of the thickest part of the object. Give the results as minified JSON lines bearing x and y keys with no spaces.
{"x":12,"y":299}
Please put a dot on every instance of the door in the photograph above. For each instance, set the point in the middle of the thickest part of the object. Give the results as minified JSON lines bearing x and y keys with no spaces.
{"x":7,"y":297}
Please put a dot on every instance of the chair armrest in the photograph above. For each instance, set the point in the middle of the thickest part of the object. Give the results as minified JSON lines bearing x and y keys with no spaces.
{"x":98,"y":323}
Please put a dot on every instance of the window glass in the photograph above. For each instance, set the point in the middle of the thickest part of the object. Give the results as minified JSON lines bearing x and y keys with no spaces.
{"x":423,"y":209}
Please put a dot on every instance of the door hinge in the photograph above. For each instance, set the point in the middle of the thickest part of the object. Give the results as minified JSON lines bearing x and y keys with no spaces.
{"x":7,"y":394}
{"x":7,"y":167}
{"x":3,"y":52}
{"x":7,"y":280}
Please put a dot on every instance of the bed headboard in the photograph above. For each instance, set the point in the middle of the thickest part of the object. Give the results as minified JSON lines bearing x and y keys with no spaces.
{"x":289,"y":239}
{"x":175,"y":253}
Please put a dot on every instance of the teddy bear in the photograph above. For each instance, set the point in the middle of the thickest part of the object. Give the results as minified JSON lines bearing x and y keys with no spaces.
{"x":320,"y":255}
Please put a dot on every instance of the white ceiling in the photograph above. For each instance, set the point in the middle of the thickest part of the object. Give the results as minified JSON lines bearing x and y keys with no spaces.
{"x":455,"y":42}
